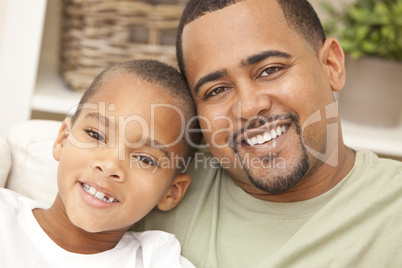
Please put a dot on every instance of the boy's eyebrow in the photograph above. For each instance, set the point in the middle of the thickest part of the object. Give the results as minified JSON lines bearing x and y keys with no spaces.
{"x":148,"y":142}
{"x":157,"y":145}
{"x":99,"y":117}
{"x":253,"y":59}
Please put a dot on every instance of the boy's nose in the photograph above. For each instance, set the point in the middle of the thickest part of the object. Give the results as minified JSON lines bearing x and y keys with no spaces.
{"x":109,"y":172}
{"x":109,"y":167}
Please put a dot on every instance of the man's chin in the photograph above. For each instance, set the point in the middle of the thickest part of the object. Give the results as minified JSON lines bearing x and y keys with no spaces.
{"x":275,"y":174}
{"x":277,"y":185}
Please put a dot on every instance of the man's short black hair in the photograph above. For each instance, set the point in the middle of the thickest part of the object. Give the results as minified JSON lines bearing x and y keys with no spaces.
{"x":299,"y":14}
{"x":160,"y":74}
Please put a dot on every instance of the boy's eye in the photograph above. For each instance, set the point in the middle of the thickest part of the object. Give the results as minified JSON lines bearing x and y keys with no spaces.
{"x":270,"y":71}
{"x":95,"y":135}
{"x":146,"y":160}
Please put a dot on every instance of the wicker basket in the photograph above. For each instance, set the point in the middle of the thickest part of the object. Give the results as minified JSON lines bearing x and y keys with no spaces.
{"x":99,"y":33}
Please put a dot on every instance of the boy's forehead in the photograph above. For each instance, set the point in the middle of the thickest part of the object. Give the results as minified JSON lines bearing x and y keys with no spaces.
{"x":123,"y":83}
{"x":164,"y":130}
{"x":124,"y":87}
{"x":130,"y":101}
{"x":145,"y":111}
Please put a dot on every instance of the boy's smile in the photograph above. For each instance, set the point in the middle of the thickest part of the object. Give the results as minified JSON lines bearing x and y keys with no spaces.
{"x":96,"y":197}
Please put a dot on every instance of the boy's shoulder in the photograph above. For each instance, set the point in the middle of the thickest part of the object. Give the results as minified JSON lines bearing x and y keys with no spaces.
{"x":159,"y":249}
{"x":10,"y":200}
{"x":155,"y":238}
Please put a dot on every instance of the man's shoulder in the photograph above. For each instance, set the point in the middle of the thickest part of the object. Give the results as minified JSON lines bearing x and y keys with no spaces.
{"x":370,"y":163}
{"x":373,"y":181}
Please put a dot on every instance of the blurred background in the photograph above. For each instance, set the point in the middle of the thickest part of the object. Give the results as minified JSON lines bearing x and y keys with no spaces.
{"x":51,"y":49}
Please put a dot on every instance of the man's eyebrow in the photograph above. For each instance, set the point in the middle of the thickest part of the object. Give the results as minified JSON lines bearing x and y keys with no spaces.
{"x":244,"y":63}
{"x":157,"y":145}
{"x":99,"y":117}
{"x":253,"y":59}
{"x":208,"y":78}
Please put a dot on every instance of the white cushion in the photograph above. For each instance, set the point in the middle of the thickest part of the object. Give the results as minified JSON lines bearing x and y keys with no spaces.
{"x":5,"y":161}
{"x":34,"y":170}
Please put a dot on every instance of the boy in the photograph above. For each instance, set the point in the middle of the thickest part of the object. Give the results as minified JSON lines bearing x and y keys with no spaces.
{"x":121,"y":155}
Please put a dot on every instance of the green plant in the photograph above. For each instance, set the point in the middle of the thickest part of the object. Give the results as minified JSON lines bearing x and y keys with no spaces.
{"x":368,"y":27}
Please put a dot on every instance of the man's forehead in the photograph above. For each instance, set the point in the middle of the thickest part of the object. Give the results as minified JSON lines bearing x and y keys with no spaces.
{"x":215,"y":9}
{"x":246,"y":21}
{"x":256,"y":13}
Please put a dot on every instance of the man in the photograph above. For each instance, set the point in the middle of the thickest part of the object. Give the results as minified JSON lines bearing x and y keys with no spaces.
{"x":288,"y":192}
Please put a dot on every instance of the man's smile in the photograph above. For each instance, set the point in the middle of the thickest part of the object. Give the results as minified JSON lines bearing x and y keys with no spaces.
{"x":263,"y":130}
{"x":267,"y":136}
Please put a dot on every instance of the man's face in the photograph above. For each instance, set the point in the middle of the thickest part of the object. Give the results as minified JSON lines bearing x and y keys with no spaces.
{"x":256,"y":84}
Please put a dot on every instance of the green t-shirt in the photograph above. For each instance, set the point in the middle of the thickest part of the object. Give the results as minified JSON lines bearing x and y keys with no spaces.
{"x":358,"y":223}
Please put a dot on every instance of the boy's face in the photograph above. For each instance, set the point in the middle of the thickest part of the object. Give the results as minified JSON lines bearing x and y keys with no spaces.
{"x":119,"y":159}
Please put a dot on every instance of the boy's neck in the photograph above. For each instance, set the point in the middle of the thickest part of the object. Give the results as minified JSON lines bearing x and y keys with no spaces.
{"x":56,"y":224}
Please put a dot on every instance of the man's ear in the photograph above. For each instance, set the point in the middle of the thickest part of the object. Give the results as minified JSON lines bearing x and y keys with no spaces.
{"x":175,"y":193}
{"x":61,"y":139}
{"x":333,"y":59}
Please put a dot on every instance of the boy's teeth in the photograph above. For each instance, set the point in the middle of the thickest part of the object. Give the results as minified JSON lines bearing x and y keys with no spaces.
{"x":267,"y":136}
{"x":91,"y":190}
{"x":98,"y":194}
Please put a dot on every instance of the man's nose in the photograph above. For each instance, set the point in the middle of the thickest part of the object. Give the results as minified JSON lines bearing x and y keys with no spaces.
{"x":250,"y":102}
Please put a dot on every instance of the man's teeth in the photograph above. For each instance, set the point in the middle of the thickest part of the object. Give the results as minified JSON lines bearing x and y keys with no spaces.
{"x":267,"y":135}
{"x":98,"y":194}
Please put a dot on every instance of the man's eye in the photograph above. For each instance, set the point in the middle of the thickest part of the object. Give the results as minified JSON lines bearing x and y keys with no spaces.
{"x":148,"y":161}
{"x":270,"y":71}
{"x":95,"y":135}
{"x":217,"y":91}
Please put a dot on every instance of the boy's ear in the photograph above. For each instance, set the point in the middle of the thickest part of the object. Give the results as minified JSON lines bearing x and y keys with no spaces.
{"x":175,"y":193}
{"x":332,"y":57}
{"x":61,"y":139}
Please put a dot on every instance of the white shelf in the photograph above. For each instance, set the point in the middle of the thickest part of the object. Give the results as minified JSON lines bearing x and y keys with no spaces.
{"x":51,"y":93}
{"x":386,"y":141}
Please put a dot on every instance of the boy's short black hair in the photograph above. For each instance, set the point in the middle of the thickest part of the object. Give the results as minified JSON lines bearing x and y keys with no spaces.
{"x":160,"y":74}
{"x":299,"y":14}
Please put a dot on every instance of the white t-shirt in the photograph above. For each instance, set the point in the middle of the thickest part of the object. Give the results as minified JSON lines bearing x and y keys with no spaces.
{"x":23,"y":243}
